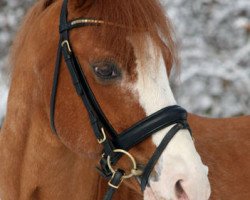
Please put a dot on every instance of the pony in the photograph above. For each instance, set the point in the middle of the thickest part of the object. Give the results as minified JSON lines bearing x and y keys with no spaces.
{"x":127,"y":67}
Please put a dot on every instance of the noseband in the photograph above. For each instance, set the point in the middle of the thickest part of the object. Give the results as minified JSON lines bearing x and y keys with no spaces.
{"x":114,"y":145}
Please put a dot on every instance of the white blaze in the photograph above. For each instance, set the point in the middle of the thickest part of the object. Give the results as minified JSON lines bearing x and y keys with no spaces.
{"x":180,"y":161}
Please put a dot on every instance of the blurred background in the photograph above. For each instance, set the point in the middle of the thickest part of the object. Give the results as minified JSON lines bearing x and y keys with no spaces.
{"x":214,"y":47}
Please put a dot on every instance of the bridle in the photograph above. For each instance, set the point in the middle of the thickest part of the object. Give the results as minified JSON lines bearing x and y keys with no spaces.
{"x":114,"y":145}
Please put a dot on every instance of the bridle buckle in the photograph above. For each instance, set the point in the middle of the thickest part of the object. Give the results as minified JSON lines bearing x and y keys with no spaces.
{"x":104,"y":138}
{"x":67,"y":44}
{"x":115,"y":186}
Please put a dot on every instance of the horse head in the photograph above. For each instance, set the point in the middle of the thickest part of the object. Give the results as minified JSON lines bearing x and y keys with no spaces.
{"x":124,"y":52}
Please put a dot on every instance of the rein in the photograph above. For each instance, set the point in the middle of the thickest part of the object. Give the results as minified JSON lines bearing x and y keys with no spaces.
{"x":114,"y":145}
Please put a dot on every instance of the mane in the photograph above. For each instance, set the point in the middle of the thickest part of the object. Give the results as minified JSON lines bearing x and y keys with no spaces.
{"x":23,"y":30}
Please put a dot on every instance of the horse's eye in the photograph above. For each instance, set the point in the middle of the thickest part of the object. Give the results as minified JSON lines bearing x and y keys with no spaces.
{"x":106,"y":70}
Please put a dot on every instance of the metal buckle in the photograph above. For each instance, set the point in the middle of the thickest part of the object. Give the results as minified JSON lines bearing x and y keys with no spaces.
{"x":133,"y":172}
{"x":114,"y":186}
{"x":67,"y":43}
{"x":100,"y":141}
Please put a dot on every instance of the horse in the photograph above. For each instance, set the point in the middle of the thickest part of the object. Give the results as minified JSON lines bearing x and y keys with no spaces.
{"x":124,"y":49}
{"x":126,"y":53}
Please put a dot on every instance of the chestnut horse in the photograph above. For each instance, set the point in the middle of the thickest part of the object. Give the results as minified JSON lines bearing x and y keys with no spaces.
{"x":126,"y":66}
{"x":125,"y":62}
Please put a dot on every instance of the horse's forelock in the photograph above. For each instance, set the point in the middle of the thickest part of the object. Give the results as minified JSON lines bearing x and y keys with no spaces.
{"x":138,"y":16}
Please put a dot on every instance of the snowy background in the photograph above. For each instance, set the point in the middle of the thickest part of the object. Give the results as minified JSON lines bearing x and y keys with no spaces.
{"x":214,"y":41}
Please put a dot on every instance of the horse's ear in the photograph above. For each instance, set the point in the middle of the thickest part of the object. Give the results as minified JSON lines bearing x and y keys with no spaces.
{"x":47,"y":3}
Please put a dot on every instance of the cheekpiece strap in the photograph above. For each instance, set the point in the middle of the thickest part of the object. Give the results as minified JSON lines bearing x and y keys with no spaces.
{"x":114,"y":184}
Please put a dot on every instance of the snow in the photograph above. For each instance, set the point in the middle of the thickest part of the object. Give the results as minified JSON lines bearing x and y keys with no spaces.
{"x":3,"y":94}
{"x":214,"y":46}
{"x":214,"y":40}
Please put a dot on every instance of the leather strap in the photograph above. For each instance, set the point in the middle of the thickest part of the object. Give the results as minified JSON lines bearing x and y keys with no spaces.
{"x":158,"y":152}
{"x":150,"y":125}
{"x":54,"y":87}
{"x":114,"y":184}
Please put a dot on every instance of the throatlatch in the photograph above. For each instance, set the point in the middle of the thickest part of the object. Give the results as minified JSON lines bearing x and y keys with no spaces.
{"x":114,"y":145}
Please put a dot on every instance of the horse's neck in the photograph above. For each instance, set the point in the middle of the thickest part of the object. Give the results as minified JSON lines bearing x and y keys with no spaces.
{"x":35,"y":165}
{"x":224,"y":146}
{"x":33,"y":161}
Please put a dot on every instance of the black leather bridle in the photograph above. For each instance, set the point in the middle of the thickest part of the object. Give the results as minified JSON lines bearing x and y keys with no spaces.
{"x":114,"y":145}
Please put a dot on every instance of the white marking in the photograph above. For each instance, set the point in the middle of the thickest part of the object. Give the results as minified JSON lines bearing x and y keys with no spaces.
{"x":180,"y":160}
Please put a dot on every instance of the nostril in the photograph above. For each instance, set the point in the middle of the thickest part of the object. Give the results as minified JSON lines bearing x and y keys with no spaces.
{"x":180,"y":192}
{"x":154,"y":176}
